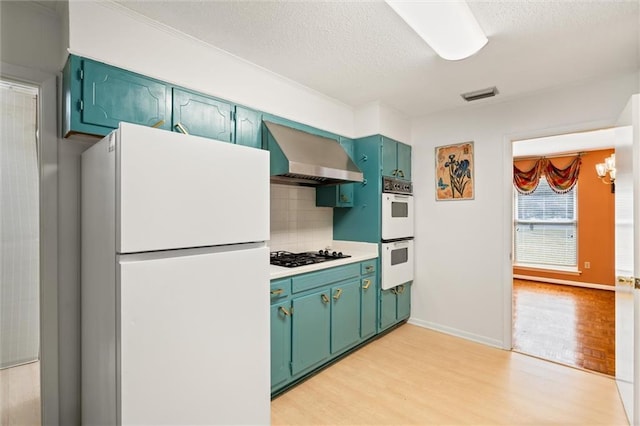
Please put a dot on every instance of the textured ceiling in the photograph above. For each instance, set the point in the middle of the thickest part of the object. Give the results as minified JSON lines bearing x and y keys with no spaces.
{"x":361,"y":51}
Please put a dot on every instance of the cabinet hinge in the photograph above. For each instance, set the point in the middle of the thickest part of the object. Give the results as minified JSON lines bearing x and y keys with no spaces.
{"x":232,"y":115}
{"x":80,"y":105}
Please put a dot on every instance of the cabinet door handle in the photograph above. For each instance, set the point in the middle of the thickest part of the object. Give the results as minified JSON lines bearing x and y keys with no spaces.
{"x":181,"y":128}
{"x":366,"y":285}
{"x":400,"y":173}
{"x":338,"y":294}
{"x":277,"y":292}
{"x":394,"y":173}
{"x":369,"y":268}
{"x":400,"y":289}
{"x":394,"y":291}
{"x":158,"y":124}
{"x":324,"y":297}
{"x":284,"y":311}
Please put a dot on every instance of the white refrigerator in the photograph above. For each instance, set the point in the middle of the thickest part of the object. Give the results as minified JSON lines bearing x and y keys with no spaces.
{"x":175,"y":280}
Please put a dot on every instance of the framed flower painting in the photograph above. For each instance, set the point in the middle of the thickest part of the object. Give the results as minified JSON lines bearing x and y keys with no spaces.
{"x":454,"y":172}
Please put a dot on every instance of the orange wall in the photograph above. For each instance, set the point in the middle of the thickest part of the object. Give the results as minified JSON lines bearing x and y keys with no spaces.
{"x":596,"y":232}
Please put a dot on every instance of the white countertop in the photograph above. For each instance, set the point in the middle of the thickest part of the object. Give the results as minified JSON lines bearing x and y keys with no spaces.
{"x":358,"y":252}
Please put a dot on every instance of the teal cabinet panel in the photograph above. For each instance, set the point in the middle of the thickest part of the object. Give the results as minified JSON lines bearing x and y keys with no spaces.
{"x":368,"y":267}
{"x":335,"y":196}
{"x":396,"y":159}
{"x":388,"y":308}
{"x":111,"y":95}
{"x":201,"y":115}
{"x":280,"y":343}
{"x":345,"y":315}
{"x":280,"y":289}
{"x":324,"y":277}
{"x":362,"y":222}
{"x":389,"y":157}
{"x":395,"y":305}
{"x":248,"y":127}
{"x":368,"y":289}
{"x":310,"y":333}
{"x":404,"y":161}
{"x":404,"y":301}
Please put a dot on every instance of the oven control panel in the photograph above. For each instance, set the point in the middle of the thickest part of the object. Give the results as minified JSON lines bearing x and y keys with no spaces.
{"x":396,"y":186}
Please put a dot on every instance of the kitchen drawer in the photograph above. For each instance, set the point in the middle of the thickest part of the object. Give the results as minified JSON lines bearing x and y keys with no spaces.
{"x":280,"y":289}
{"x":368,"y":267}
{"x":326,"y":276}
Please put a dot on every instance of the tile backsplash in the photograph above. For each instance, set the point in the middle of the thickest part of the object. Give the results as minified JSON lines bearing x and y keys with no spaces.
{"x":296,"y":223}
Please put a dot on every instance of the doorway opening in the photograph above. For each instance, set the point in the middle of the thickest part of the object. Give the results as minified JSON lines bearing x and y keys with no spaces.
{"x":19,"y":254}
{"x":564,"y":254}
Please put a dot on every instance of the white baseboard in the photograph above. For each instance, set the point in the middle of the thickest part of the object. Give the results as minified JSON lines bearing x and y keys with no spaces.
{"x":458,"y":333}
{"x":565,"y":282}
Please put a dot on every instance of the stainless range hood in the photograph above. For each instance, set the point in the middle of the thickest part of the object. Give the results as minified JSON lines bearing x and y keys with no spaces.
{"x":301,"y":158}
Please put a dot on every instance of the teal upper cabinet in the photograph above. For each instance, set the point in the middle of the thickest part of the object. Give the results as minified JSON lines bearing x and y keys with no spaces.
{"x":248,"y":126}
{"x":396,"y":159}
{"x":201,"y":115}
{"x":99,"y":96}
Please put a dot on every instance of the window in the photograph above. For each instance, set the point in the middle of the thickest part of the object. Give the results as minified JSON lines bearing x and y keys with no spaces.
{"x":545,"y":228}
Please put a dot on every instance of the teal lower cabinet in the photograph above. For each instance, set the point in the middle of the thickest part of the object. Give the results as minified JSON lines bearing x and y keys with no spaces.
{"x":368,"y":298}
{"x":310,"y":332}
{"x":345,"y":315}
{"x":395,"y":305}
{"x":318,"y":316}
{"x":280,"y":343}
{"x":403,"y":294}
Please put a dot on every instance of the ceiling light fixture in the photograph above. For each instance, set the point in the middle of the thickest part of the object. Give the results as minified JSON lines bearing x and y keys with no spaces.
{"x":448,"y":27}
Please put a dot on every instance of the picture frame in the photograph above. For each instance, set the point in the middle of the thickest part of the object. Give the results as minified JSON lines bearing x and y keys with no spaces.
{"x":455,"y":172}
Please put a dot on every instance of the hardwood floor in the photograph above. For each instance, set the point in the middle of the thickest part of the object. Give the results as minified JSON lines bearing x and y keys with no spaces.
{"x":565,"y":324}
{"x":415,"y":376}
{"x":20,"y":395}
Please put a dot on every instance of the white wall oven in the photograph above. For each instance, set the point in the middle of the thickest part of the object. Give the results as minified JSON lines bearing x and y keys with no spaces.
{"x":397,"y":263}
{"x":397,"y":232}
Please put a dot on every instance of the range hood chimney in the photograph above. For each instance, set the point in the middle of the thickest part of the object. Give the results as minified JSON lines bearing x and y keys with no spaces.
{"x":301,"y":158}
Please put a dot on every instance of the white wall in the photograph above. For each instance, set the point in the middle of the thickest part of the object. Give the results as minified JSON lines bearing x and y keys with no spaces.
{"x":463,"y":270}
{"x":120,"y":37}
{"x":31,"y":50}
{"x":297,"y":225}
{"x":31,"y":36}
{"x":376,"y":118}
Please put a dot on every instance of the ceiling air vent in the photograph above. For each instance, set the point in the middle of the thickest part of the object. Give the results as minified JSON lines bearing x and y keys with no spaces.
{"x":480,"y":94}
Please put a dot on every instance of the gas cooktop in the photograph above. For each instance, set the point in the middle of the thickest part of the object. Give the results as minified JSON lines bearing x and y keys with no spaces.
{"x":292,"y":260}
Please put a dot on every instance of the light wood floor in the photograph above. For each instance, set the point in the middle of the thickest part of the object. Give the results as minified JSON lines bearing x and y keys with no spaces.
{"x":415,"y":376}
{"x":20,"y":395}
{"x":566,"y":324}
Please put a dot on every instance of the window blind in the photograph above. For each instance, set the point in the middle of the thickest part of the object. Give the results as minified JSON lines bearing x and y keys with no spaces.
{"x":545,"y":227}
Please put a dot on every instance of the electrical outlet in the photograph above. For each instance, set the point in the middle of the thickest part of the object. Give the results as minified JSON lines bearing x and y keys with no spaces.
{"x":587,"y":265}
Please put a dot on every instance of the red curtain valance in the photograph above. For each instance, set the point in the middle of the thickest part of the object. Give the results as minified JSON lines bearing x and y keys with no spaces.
{"x":560,"y":180}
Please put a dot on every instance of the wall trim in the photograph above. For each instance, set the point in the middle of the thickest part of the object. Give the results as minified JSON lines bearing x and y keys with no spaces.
{"x":565,"y":282}
{"x":459,"y":333}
